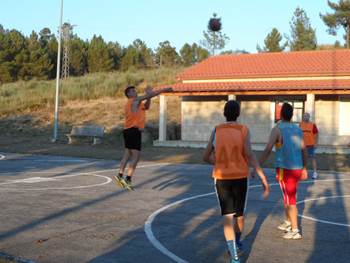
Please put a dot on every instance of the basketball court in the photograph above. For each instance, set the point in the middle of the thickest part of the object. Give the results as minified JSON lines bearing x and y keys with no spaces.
{"x":59,"y":209}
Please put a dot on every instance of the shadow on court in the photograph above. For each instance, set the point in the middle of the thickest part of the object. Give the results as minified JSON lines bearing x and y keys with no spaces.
{"x":106,"y":224}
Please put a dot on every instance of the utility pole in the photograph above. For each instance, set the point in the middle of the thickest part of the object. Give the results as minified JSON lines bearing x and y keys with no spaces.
{"x":67,"y":31}
{"x":55,"y":130}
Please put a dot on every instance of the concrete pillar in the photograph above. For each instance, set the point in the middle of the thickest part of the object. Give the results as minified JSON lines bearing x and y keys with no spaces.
{"x":162,"y":118}
{"x":310,"y":106}
{"x":272,"y":114}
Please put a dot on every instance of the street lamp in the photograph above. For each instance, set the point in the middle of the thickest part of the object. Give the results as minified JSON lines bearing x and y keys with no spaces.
{"x":55,"y":130}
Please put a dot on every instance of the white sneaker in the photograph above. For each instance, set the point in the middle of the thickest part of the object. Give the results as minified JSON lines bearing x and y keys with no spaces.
{"x":314,"y":175}
{"x":292,"y":234}
{"x":285,"y":226}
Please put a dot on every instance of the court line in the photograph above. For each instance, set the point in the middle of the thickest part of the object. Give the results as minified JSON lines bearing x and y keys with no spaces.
{"x":94,"y":173}
{"x":320,"y":220}
{"x":107,"y":180}
{"x":100,"y":171}
{"x":156,"y":243}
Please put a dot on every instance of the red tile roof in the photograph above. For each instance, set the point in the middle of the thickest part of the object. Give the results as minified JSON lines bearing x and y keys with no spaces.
{"x":281,"y":64}
{"x":261,"y":86}
{"x":285,"y":71}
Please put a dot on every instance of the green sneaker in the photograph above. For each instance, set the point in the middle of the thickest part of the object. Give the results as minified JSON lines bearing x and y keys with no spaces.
{"x":128,"y":185}
{"x":119,"y":180}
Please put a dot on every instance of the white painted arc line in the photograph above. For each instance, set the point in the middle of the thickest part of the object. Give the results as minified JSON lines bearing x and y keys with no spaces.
{"x":108,"y":180}
{"x":321,"y":220}
{"x":88,"y":173}
{"x":155,"y":242}
{"x":151,"y":237}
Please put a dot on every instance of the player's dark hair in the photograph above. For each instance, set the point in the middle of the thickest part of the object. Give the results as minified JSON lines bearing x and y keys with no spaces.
{"x":286,"y":111}
{"x":232,"y":110}
{"x":126,"y":91}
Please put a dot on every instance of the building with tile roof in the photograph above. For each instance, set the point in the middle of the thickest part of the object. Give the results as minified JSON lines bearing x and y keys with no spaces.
{"x":317,"y":82}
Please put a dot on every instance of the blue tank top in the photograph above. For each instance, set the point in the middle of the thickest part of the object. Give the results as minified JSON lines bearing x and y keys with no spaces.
{"x":289,"y":154}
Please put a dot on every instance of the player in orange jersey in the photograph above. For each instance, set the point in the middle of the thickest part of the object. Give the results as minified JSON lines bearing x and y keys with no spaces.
{"x":134,"y":124}
{"x":310,"y":134}
{"x":229,"y":150}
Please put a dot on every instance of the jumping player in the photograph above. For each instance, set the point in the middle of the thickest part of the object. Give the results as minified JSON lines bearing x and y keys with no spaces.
{"x":229,"y":150}
{"x":134,"y":124}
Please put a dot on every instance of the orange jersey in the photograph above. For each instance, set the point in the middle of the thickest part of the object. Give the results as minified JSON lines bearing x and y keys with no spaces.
{"x":230,"y":160}
{"x":134,"y":119}
{"x":308,"y":129}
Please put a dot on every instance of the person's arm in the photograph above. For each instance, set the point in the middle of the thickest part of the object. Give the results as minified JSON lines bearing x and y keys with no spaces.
{"x":254,"y":162}
{"x":208,"y":155}
{"x":149,"y":94}
{"x":315,"y":132}
{"x":304,"y":159}
{"x":147,"y":104}
{"x":269,"y":146}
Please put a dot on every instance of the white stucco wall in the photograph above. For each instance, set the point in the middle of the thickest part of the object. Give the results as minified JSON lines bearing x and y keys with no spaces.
{"x":200,"y":114}
{"x":331,"y":124}
{"x":199,"y":117}
{"x":256,"y":115}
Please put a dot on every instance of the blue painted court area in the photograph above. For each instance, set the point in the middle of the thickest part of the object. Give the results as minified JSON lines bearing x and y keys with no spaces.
{"x":59,"y":209}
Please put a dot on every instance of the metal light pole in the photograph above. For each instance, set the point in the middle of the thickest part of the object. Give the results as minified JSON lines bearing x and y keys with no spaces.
{"x":55,"y":130}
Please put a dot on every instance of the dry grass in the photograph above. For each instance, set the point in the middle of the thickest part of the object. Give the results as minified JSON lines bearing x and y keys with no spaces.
{"x":26,"y":123}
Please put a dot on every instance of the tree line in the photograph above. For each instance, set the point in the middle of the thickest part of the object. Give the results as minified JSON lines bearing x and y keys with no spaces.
{"x":303,"y":35}
{"x":35,"y":56}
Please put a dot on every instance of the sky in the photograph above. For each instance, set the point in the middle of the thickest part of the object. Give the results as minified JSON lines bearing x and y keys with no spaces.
{"x":245,"y":22}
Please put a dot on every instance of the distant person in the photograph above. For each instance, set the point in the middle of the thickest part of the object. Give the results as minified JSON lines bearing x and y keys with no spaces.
{"x":290,"y":163}
{"x":310,"y":132}
{"x":135,"y":118}
{"x":229,"y":150}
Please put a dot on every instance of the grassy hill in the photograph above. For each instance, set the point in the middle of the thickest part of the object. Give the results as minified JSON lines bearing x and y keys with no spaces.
{"x":28,"y":107}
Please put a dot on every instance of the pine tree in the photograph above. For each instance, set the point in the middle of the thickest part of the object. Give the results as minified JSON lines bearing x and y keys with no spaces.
{"x":340,"y":18}
{"x":272,"y":42}
{"x":200,"y":53}
{"x":78,"y":56}
{"x":99,"y":58}
{"x":12,"y":47}
{"x":166,"y":55}
{"x":303,"y":36}
{"x":187,"y":55}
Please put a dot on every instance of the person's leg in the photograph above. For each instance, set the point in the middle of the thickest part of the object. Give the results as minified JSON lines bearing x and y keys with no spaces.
{"x":238,"y":227}
{"x":225,"y":197}
{"x":291,"y":181}
{"x":280,"y":176}
{"x":228,"y":227}
{"x":230,"y":236}
{"x":311,"y":155}
{"x":286,"y":213}
{"x":134,"y":159}
{"x":292,"y":211}
{"x":314,"y":164}
{"x":124,"y":161}
{"x":240,"y":190}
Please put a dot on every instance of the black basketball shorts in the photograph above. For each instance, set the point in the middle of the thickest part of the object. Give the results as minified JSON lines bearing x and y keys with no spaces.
{"x":232,"y":195}
{"x":132,"y":138}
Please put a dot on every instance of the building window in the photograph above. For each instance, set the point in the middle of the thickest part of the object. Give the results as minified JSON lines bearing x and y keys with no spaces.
{"x":297,"y":113}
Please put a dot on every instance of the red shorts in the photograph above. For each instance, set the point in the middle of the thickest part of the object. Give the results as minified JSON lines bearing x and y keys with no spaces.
{"x":288,"y":180}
